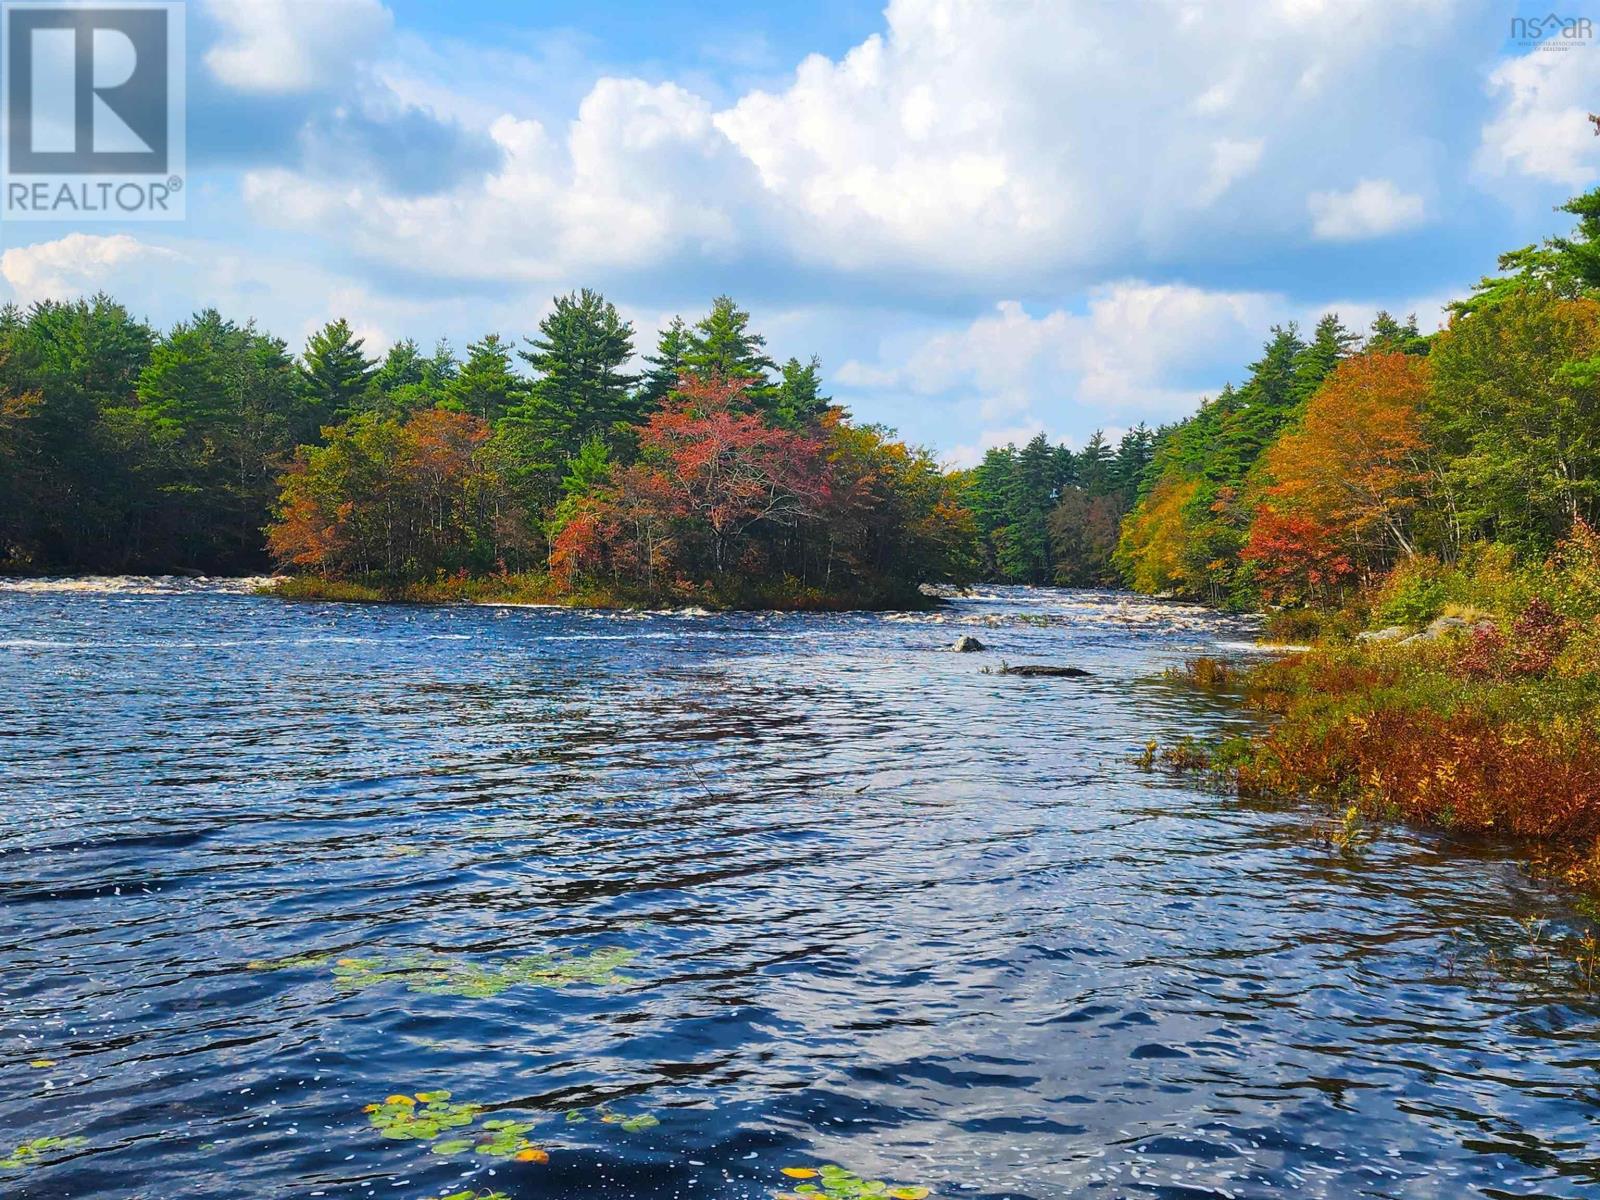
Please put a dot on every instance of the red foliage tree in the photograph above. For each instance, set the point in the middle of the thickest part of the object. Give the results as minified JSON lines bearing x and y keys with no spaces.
{"x":1297,"y":557}
{"x":711,"y":475}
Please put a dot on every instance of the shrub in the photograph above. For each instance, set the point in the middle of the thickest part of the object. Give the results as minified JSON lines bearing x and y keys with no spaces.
{"x":1414,"y":593}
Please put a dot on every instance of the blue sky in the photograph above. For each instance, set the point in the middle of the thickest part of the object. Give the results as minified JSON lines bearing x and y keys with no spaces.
{"x":989,"y":219}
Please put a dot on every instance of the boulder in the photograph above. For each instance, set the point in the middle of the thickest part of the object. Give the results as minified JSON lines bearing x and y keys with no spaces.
{"x":1391,"y":634}
{"x":967,"y":644}
{"x":1437,"y":628}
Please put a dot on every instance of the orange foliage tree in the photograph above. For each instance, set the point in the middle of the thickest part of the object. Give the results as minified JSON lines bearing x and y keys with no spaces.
{"x":1338,"y":493}
{"x":1157,"y":536}
{"x":401,"y":500}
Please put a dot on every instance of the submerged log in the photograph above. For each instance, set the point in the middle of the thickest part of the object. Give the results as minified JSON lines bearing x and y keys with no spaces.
{"x":1032,"y":670}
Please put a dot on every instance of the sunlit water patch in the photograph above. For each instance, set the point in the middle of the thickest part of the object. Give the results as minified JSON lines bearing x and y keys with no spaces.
{"x":492,"y":903}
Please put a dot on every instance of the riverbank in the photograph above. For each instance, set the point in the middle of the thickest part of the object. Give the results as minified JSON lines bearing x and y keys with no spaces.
{"x":544,"y":589}
{"x":1463,"y":698}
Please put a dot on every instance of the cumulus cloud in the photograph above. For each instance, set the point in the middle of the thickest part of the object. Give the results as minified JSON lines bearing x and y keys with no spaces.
{"x":1137,"y":352}
{"x":955,"y":148}
{"x":164,"y":282}
{"x":286,"y":46}
{"x":80,"y":263}
{"x":1541,"y":128}
{"x":634,"y":182}
{"x":1373,"y":208}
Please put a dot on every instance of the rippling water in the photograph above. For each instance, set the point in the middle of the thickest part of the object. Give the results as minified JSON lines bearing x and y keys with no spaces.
{"x":886,"y":911}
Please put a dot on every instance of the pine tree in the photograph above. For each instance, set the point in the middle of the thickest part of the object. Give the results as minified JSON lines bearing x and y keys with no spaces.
{"x":335,"y":377}
{"x":667,"y":365}
{"x":579,"y":388}
{"x":722,"y":344}
{"x":1330,"y":343}
{"x":487,"y":385}
{"x":1094,"y":465}
{"x":800,"y":400}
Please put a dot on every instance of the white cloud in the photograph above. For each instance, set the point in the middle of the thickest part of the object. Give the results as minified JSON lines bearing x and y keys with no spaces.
{"x":1230,"y":160}
{"x":283,"y":46}
{"x":971,"y":454}
{"x":634,"y":183}
{"x":1373,"y":208}
{"x":165,"y":283}
{"x":1542,"y":128}
{"x":80,"y":263}
{"x":1139,"y":352}
{"x":960,"y":146}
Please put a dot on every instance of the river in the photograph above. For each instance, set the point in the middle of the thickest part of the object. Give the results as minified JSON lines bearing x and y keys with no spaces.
{"x":682,"y":900}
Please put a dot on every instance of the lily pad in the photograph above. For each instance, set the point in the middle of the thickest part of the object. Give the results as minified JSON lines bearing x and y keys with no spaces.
{"x":428,"y":1115}
{"x":833,"y":1182}
{"x":34,"y":1153}
{"x":295,"y":962}
{"x":440,"y":975}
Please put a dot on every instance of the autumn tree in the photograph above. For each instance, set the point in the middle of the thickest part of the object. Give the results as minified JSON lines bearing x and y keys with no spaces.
{"x":398,"y":500}
{"x":1349,"y":477}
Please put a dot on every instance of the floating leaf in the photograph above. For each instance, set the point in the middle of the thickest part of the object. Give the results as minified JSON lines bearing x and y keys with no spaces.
{"x":42,"y":1064}
{"x":642,"y":1121}
{"x":840,"y":1184}
{"x":295,"y":962}
{"x":29,"y":1154}
{"x":438,"y":975}
{"x":532,"y":1154}
{"x":453,"y":1146}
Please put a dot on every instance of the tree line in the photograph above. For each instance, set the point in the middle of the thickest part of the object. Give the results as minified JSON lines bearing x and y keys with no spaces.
{"x":212,"y":448}
{"x":705,"y":467}
{"x":1340,"y":453}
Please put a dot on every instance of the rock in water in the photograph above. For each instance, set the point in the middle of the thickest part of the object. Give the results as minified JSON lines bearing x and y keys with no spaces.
{"x":966,"y":644}
{"x":1034,"y":670}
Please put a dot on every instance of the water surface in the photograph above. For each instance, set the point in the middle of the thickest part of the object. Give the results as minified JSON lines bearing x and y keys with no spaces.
{"x":884,"y":910}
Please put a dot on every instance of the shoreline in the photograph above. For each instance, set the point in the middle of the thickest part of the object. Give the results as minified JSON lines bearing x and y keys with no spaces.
{"x":539,"y":591}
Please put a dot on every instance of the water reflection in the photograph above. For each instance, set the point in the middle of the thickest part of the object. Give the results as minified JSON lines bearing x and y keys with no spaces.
{"x":886,"y":911}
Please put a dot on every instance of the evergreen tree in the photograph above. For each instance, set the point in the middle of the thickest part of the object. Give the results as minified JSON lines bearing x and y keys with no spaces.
{"x":1330,"y":343}
{"x":487,"y":385}
{"x":667,"y":366}
{"x":722,"y":344}
{"x":1094,"y":465}
{"x":1134,"y":453}
{"x":335,"y":378}
{"x":579,"y":390}
{"x":1387,"y":335}
{"x":799,"y":398}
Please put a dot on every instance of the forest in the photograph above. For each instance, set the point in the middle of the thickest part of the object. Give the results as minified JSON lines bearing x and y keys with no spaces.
{"x":714,"y":473}
{"x":1422,"y":511}
{"x":704,"y":469}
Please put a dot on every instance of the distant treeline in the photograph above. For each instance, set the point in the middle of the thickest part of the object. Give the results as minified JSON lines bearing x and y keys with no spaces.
{"x":210,"y":447}
{"x":1338,"y":456}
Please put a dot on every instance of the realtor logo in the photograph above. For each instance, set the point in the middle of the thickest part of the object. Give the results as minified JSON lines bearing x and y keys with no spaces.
{"x":94,"y":111}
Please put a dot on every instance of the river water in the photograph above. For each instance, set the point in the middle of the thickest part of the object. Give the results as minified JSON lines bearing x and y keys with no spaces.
{"x":693,"y":898}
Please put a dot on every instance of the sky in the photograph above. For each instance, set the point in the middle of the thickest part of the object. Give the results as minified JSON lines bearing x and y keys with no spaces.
{"x":988,"y":218}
